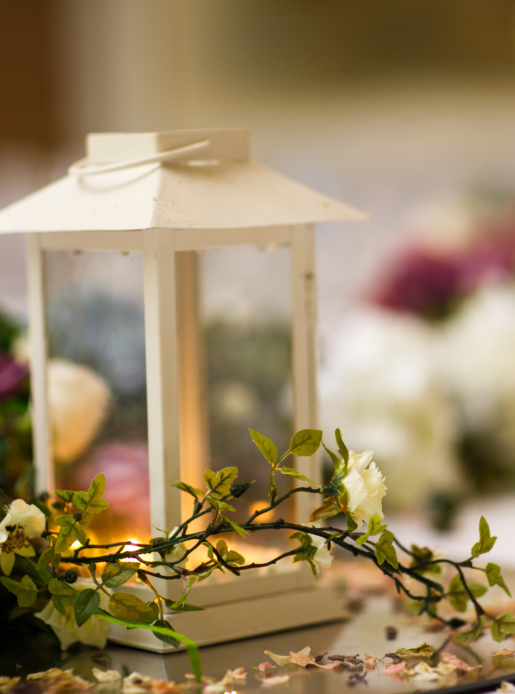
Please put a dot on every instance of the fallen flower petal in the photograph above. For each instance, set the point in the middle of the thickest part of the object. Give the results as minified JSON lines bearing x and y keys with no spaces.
{"x":106,"y":675}
{"x":424,"y":650}
{"x":370,"y":661}
{"x":506,"y":687}
{"x":330,"y":666}
{"x":263,"y":667}
{"x":395,"y":670}
{"x":303,"y":658}
{"x":273,"y":681}
{"x":454,"y":660}
{"x":281,"y":660}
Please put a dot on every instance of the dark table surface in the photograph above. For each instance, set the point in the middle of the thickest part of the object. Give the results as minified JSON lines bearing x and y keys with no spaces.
{"x":364,"y":633}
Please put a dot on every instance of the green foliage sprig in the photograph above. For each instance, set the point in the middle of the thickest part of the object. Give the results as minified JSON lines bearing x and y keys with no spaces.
{"x":44,"y":574}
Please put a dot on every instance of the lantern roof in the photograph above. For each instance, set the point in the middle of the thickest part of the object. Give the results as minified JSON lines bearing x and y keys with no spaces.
{"x":190,"y":179}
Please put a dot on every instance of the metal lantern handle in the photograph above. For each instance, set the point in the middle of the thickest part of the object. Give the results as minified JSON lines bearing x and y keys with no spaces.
{"x":84,"y":168}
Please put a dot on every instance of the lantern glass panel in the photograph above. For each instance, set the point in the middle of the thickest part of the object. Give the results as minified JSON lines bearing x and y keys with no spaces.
{"x":97,"y":383}
{"x":235,"y":359}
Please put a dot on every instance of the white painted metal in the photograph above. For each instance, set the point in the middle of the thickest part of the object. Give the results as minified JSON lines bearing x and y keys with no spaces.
{"x":224,"y":145}
{"x":226,"y":191}
{"x":124,"y":241}
{"x":304,"y":353}
{"x":84,"y":167}
{"x":38,"y":361}
{"x":162,"y":380}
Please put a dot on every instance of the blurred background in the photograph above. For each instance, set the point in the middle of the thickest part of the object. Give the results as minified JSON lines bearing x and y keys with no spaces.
{"x":402,"y":109}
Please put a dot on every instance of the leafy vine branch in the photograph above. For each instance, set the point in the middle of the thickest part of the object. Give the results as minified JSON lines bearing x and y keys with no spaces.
{"x":57,"y":579}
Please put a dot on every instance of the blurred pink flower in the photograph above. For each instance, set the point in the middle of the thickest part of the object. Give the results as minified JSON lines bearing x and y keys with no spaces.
{"x":12,"y":375}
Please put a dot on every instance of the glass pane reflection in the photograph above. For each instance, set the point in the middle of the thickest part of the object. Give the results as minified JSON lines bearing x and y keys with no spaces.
{"x":97,"y":382}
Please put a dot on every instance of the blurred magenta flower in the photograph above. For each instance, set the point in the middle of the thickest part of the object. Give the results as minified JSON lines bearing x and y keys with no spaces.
{"x":12,"y":375}
{"x":423,"y":282}
{"x":491,"y":258}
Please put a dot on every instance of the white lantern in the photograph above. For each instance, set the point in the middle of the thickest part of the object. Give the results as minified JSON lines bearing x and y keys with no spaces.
{"x":173,"y":228}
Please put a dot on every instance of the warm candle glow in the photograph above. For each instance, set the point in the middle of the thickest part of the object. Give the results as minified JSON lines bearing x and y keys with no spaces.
{"x":256,"y":506}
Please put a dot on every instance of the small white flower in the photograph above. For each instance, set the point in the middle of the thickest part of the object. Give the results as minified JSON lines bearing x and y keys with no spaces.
{"x":28,"y":516}
{"x":365,"y":487}
{"x":323,"y":558}
{"x":177,"y":551}
{"x":23,"y":521}
{"x":92,"y":633}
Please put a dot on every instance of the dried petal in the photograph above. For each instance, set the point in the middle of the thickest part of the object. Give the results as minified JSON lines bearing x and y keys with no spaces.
{"x":106,"y":675}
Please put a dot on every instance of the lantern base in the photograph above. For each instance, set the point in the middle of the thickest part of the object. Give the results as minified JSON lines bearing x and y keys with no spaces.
{"x":243,"y":619}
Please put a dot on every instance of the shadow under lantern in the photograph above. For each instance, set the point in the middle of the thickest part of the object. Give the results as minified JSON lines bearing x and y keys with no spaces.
{"x":181,"y":275}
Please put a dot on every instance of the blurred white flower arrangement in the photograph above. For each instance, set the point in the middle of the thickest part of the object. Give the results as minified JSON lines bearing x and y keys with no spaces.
{"x":423,"y":373}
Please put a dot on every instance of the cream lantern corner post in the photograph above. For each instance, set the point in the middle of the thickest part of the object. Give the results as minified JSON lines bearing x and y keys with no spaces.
{"x":169,"y":196}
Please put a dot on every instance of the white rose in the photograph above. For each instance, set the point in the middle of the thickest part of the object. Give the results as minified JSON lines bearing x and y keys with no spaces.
{"x":92,"y":633}
{"x":28,"y":516}
{"x":365,"y":487}
{"x":78,"y":401}
{"x":323,"y":558}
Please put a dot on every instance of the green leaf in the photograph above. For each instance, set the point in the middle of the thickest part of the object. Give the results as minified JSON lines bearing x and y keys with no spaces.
{"x":66,"y":594}
{"x":458,"y":596}
{"x":26,"y":591}
{"x":351,"y":523}
{"x":342,"y":448}
{"x":336,"y":461}
{"x":493,"y":574}
{"x":385,"y":551}
{"x":81,"y":500}
{"x":233,"y":557}
{"x":265,"y":445}
{"x":68,"y":533}
{"x":221,"y":548}
{"x":132,"y":609}
{"x":59,"y":604}
{"x":374,"y":527}
{"x":46,"y":558}
{"x":470,"y":635}
{"x":85,"y":606}
{"x":195,"y":493}
{"x":293,"y":473}
{"x":237,"y":528}
{"x":503,"y":626}
{"x":45,"y":576}
{"x":486,"y":542}
{"x":219,"y":483}
{"x":65,"y":495}
{"x":115,"y":575}
{"x":306,"y":442}
{"x":184,"y":608}
{"x":219,"y":505}
{"x":97,"y":487}
{"x":422,"y":555}
{"x":176,"y":606}
{"x":167,"y":638}
{"x":191,"y":646}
